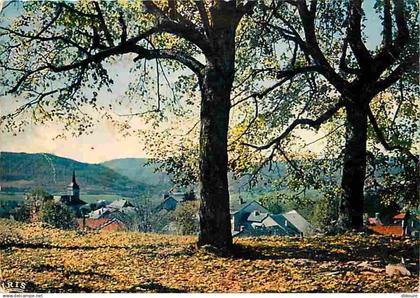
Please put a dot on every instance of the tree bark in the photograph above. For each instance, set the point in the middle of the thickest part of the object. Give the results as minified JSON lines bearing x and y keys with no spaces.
{"x":215,"y":227}
{"x":350,"y":215}
{"x":216,"y":86}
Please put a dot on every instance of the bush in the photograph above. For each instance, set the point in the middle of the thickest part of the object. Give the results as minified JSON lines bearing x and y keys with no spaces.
{"x":186,"y":218}
{"x":21,"y":213}
{"x":57,"y":215}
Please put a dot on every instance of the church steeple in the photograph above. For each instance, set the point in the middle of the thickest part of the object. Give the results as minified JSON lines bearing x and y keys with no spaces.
{"x":73,"y":188}
{"x":74,"y":178}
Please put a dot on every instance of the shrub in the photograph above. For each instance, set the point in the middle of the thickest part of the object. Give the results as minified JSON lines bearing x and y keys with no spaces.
{"x":57,"y":215}
{"x":186,"y":218}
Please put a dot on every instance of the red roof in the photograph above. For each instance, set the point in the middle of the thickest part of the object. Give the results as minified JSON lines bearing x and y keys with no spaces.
{"x":101,"y":224}
{"x":114,"y":226}
{"x":399,"y":216}
{"x":387,"y":230}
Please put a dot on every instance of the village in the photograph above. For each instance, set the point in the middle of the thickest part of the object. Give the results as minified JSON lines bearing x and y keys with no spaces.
{"x":201,"y":146}
{"x":247,"y":218}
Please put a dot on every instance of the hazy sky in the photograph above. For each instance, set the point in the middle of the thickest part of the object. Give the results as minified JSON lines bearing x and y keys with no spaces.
{"x":106,"y":142}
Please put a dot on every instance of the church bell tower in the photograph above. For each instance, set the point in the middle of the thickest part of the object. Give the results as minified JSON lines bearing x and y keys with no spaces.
{"x":73,"y":188}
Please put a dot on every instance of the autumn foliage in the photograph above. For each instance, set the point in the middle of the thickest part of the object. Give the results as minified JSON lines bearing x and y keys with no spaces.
{"x":53,"y":260}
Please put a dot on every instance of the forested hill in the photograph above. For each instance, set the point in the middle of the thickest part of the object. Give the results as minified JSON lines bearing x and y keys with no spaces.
{"x":21,"y":172}
{"x":137,"y":170}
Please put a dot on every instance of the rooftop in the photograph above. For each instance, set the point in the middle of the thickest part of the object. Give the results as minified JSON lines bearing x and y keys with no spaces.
{"x":257,"y":216}
{"x":121,"y":203}
{"x":395,"y":230}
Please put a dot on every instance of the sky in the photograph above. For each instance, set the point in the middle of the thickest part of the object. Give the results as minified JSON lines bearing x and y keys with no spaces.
{"x":106,"y":142}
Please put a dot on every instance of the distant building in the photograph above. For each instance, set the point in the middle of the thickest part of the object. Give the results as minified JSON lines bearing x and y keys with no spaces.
{"x":120,"y":209}
{"x":252,"y":219}
{"x":402,"y":224}
{"x":172,"y":198}
{"x":101,"y":224}
{"x":120,"y":204}
{"x":72,"y":198}
{"x":100,"y":213}
{"x":169,"y":204}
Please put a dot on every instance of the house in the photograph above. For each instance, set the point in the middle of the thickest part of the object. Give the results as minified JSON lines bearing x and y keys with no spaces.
{"x":100,"y":213}
{"x":120,"y":204}
{"x":252,"y":219}
{"x":240,"y":216}
{"x":72,"y":198}
{"x":397,"y":226}
{"x":100,"y":224}
{"x":173,"y":198}
{"x":120,"y":209}
{"x":169,"y":203}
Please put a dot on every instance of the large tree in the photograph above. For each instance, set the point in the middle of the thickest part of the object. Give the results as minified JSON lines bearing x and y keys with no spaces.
{"x":331,"y":68}
{"x":53,"y":50}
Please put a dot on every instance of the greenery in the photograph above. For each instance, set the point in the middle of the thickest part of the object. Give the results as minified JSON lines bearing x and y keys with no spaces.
{"x":58,"y":215}
{"x":138,"y":169}
{"x":224,"y":95}
{"x":21,"y":172}
{"x":186,"y":218}
{"x":19,"y":213}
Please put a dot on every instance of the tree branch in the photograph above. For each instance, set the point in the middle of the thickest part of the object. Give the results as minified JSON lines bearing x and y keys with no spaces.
{"x":310,"y":122}
{"x":391,"y":51}
{"x":381,"y":137}
{"x":103,"y":25}
{"x":204,"y":17}
{"x":410,"y":63}
{"x":387,"y":24}
{"x":343,"y":65}
{"x":184,"y":28}
{"x":354,"y":34}
{"x":311,"y":47}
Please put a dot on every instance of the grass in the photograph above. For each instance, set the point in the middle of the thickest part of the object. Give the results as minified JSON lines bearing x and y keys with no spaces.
{"x":51,"y":260}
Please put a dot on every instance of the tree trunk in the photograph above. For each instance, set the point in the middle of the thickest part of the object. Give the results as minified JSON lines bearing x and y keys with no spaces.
{"x":216,"y":86}
{"x":354,"y":169}
{"x":214,"y":208}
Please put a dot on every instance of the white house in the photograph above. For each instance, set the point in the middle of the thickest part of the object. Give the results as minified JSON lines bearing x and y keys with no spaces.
{"x":253,"y":219}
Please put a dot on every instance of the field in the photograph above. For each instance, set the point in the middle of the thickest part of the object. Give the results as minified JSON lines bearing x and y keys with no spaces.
{"x":51,"y":260}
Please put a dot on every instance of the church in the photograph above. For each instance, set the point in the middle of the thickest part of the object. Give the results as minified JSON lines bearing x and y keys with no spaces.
{"x":72,"y":198}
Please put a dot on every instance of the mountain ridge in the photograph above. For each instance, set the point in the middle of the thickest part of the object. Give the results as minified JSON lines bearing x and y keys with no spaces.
{"x":21,"y":172}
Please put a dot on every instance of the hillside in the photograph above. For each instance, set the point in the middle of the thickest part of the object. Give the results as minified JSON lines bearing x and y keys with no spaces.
{"x":51,"y":260}
{"x":20,"y":172}
{"x":137,"y":170}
